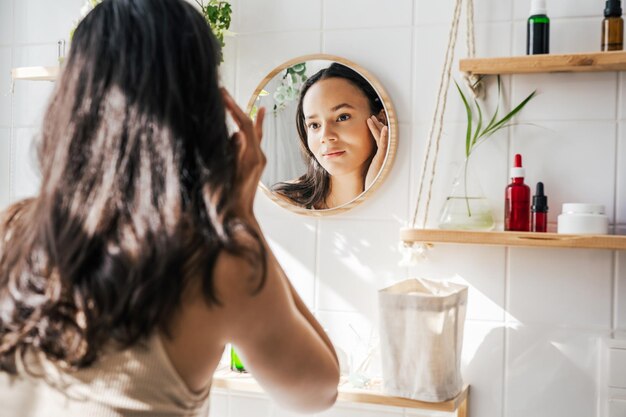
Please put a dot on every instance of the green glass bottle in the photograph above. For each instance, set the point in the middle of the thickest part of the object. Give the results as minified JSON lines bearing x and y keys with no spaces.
{"x":538,"y":29}
{"x":235,"y":362}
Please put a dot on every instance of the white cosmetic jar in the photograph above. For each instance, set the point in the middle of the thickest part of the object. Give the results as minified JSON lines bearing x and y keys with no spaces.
{"x":583,"y":219}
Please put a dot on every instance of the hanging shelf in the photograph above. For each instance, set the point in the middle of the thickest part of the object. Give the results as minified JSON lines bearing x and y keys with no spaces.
{"x":527,"y":64}
{"x":35,"y":73}
{"x":226,"y":379}
{"x":527,"y":239}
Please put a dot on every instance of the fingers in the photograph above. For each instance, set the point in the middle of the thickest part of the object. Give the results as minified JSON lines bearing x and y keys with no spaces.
{"x":377,"y":128}
{"x":258,"y":125}
{"x":241,"y":119}
{"x":384,"y":133}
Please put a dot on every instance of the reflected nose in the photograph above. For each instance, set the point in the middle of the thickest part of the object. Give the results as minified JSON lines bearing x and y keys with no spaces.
{"x":328,"y":135}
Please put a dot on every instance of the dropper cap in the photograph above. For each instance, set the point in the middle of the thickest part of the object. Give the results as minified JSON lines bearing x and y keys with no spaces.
{"x":540,"y":201}
{"x":613,"y":8}
{"x":517,"y":171}
{"x":538,"y":7}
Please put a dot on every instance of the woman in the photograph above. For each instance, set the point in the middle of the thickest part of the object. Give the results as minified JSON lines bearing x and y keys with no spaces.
{"x":341,"y":123}
{"x":123,"y":280}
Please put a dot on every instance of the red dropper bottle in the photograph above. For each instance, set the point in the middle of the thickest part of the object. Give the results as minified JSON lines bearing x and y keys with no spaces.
{"x":517,"y":200}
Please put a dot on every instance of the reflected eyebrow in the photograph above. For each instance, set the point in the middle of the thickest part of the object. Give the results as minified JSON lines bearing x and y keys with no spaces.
{"x":335,"y":108}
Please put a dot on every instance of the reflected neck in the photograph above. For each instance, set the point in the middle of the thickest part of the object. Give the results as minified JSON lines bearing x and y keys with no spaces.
{"x":344,"y":188}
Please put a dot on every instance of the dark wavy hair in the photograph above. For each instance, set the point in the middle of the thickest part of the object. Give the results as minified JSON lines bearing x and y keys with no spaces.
{"x":137,"y":184}
{"x":311,"y":189}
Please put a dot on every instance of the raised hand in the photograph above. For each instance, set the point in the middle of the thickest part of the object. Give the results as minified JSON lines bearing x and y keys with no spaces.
{"x":381,"y":136}
{"x":251,"y":159}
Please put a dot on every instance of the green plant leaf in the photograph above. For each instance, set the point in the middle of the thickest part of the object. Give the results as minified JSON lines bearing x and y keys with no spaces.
{"x":495,"y":114}
{"x":468,"y":109}
{"x":479,"y":126}
{"x":509,"y":116}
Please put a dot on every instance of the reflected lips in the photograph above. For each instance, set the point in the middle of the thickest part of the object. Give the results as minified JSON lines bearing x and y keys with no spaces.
{"x":334,"y":154}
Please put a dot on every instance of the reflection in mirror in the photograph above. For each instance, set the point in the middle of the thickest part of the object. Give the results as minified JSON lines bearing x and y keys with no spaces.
{"x":327,"y":136}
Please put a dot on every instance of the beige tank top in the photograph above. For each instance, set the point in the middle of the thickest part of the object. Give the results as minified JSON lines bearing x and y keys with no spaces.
{"x":136,"y":382}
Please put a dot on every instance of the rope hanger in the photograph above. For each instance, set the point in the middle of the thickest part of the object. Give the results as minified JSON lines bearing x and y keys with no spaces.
{"x":436,"y":127}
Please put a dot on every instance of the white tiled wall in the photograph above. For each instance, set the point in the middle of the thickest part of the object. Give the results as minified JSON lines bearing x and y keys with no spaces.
{"x":534,"y":316}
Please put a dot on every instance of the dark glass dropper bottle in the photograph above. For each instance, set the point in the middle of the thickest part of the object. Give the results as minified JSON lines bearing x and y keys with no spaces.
{"x":538,"y":29}
{"x":539,"y":211}
{"x":613,"y":27}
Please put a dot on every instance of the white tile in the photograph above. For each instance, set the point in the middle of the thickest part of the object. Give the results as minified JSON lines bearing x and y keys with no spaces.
{"x":218,"y":404}
{"x":589,"y":96}
{"x":485,"y":279}
{"x":582,"y":166}
{"x":429,"y":12}
{"x":482,"y":366}
{"x":5,"y":135}
{"x":5,"y":86}
{"x":249,"y":405}
{"x":563,"y":8}
{"x":356,"y":338}
{"x":228,"y":68}
{"x":390,"y":66}
{"x":30,"y":102}
{"x":622,"y":95}
{"x":342,"y":409}
{"x":26,"y":179}
{"x":617,"y":408}
{"x":297,"y":260}
{"x":30,"y":98}
{"x":488,"y":163}
{"x":356,"y":259}
{"x":366,"y":14}
{"x":566,"y":36}
{"x":620,"y":305}
{"x":551,"y":372}
{"x":390,"y":200}
{"x":6,"y":22}
{"x":277,"y":411}
{"x":568,"y":287}
{"x":620,"y":214}
{"x":38,"y":22}
{"x":255,"y":60}
{"x":278,"y":16}
{"x":492,"y":39}
{"x":36,"y":55}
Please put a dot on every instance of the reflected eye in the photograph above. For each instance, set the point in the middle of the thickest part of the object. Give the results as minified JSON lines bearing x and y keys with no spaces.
{"x":313,"y":125}
{"x":343,"y":117}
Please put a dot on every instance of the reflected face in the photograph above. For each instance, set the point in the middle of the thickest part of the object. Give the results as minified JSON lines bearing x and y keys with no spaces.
{"x":335,"y":114}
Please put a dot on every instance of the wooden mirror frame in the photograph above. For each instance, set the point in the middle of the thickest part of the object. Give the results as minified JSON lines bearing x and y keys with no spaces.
{"x":392,"y":122}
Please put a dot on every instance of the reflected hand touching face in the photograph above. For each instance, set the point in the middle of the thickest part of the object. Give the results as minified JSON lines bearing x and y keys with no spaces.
{"x":336,"y":114}
{"x":381,"y":135}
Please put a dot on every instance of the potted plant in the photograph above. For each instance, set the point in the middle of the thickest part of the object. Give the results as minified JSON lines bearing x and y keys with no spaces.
{"x":466,"y":207}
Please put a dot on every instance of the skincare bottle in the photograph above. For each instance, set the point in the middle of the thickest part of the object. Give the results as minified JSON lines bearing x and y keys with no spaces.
{"x":539,"y":211}
{"x":613,"y":27}
{"x":517,"y":200}
{"x":235,"y":362}
{"x":538,"y":29}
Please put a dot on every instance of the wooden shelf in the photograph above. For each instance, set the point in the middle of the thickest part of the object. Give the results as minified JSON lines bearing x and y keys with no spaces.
{"x":527,"y":239}
{"x":226,"y":379}
{"x":35,"y":73}
{"x":527,"y":64}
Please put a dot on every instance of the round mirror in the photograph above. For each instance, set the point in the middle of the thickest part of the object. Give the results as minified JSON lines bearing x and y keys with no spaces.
{"x":329,"y":135}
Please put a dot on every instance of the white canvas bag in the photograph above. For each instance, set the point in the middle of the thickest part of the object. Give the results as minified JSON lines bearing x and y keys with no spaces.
{"x":421,"y":336}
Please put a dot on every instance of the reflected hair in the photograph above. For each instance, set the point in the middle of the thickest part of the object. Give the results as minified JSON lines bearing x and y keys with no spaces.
{"x":311,"y":189}
{"x":136,"y":198}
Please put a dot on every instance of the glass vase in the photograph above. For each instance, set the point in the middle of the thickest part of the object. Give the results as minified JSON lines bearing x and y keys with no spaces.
{"x":466,"y":207}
